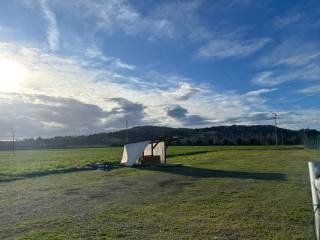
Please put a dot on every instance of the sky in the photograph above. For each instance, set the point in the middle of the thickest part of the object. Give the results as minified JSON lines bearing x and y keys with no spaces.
{"x":82,"y":67}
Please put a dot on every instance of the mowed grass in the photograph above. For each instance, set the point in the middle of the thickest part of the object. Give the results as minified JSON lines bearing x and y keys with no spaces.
{"x":218,"y":193}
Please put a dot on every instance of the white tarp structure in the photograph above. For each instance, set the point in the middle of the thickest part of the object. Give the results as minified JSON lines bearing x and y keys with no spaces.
{"x":159,"y":150}
{"x":314,"y":172}
{"x":133,"y":151}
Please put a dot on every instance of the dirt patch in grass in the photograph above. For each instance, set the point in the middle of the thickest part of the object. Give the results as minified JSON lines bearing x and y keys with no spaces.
{"x":174,"y":183}
{"x":72,"y":191}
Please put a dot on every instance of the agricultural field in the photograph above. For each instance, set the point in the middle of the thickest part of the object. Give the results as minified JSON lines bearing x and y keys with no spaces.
{"x":217,"y":193}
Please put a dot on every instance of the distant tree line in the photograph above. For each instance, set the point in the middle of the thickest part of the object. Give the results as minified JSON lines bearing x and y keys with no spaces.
{"x":222,"y":135}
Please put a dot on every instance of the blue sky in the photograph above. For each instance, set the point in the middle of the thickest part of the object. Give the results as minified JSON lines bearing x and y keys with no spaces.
{"x":80,"y":67}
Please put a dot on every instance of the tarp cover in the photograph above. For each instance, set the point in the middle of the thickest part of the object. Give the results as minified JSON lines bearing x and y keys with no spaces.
{"x":314,"y":172}
{"x":132,"y":152}
{"x":159,"y":150}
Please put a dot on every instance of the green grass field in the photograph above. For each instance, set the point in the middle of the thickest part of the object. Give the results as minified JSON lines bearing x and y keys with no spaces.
{"x":218,"y":193}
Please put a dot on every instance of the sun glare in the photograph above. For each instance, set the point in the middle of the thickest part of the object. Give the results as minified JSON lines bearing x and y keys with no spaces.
{"x":11,"y":75}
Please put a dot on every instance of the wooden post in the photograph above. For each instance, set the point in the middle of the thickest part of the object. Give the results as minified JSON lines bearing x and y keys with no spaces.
{"x":142,"y":157}
{"x":151,"y":149}
{"x":165,"y":153}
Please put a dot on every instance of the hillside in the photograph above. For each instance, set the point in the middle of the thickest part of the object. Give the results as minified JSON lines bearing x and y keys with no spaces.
{"x":221,"y":135}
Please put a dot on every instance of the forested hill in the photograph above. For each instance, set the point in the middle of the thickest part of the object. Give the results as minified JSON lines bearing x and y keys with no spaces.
{"x":221,"y":135}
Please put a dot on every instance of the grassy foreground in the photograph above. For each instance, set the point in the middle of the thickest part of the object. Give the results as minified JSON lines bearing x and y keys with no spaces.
{"x":218,"y":193}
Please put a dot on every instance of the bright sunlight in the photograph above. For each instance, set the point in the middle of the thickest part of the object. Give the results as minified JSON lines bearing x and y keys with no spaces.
{"x":11,"y":75}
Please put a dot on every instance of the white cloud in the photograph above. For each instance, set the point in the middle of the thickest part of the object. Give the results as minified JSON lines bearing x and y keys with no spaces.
{"x":67,"y":78}
{"x":231,"y":47}
{"x":291,"y":60}
{"x":292,"y":119}
{"x":94,"y":52}
{"x":266,"y":78}
{"x":259,"y":92}
{"x":182,"y":115}
{"x":163,"y":21}
{"x":118,"y":63}
{"x":311,"y":90}
{"x":257,"y":99}
{"x":179,"y":20}
{"x":52,"y":31}
{"x":109,"y":97}
{"x":183,"y":91}
{"x":309,"y":72}
{"x":284,"y":21}
{"x":119,"y":15}
{"x":40,"y":115}
{"x":300,"y":118}
{"x":97,"y":55}
{"x":292,"y":53}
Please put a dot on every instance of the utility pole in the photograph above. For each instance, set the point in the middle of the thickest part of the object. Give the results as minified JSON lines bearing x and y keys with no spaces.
{"x":275,"y":116}
{"x":304,"y":137}
{"x":127,"y":132}
{"x":13,"y":142}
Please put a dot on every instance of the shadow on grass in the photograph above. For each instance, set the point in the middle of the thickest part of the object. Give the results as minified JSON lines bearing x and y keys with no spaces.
{"x":189,"y":153}
{"x":211,"y":173}
{"x":14,"y":177}
{"x":179,"y":170}
{"x":289,"y":148}
{"x":5,"y":177}
{"x":237,"y":148}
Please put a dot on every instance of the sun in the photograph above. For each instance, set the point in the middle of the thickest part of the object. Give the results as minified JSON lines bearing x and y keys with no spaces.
{"x":11,"y":76}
